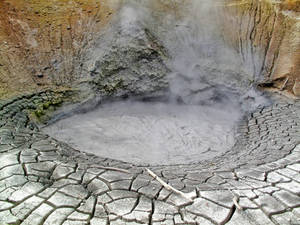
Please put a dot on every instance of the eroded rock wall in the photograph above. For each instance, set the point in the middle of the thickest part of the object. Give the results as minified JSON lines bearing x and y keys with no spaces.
{"x":267,"y":36}
{"x":41,"y":41}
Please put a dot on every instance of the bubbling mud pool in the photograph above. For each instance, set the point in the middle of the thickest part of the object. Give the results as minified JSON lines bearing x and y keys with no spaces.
{"x":154,"y":133}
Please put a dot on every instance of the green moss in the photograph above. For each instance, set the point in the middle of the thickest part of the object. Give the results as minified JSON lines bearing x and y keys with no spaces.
{"x":57,"y":102}
{"x":46,"y":105}
{"x":39,"y":113}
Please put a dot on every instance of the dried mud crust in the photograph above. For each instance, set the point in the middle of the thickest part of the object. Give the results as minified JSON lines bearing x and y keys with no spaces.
{"x":43,"y":181}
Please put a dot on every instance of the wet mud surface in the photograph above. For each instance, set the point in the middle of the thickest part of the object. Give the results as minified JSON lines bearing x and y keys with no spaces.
{"x":152,"y":133}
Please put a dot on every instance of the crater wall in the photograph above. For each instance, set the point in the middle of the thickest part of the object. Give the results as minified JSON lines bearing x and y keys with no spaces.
{"x":42,"y":43}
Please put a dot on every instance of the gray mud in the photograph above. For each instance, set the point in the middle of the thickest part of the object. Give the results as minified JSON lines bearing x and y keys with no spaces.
{"x":150,"y":132}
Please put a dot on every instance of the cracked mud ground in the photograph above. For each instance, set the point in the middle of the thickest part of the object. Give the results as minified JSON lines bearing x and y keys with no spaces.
{"x":44,"y":181}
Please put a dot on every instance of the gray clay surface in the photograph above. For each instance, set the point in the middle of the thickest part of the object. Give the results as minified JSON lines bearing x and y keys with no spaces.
{"x":150,"y":133}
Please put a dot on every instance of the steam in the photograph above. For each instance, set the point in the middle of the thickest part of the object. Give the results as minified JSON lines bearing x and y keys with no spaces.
{"x":210,"y":90}
{"x":204,"y":68}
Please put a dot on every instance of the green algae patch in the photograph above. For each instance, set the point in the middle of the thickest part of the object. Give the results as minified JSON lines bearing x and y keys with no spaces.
{"x":46,"y":106}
